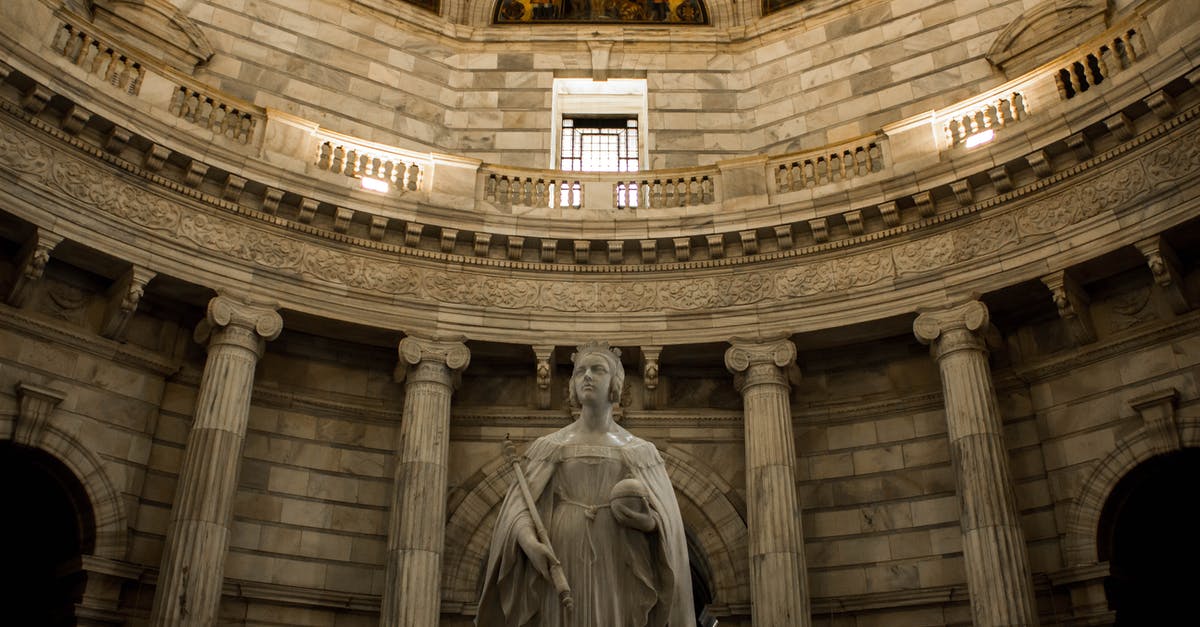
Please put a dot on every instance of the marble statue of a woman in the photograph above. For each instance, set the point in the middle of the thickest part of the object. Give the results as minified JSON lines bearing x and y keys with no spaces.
{"x":611,"y":516}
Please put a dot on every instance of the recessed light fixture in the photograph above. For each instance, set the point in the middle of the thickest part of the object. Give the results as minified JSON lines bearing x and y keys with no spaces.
{"x":376,"y":185}
{"x":980,"y":138}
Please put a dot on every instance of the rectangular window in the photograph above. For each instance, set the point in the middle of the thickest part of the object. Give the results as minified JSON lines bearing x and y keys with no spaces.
{"x":599,"y":144}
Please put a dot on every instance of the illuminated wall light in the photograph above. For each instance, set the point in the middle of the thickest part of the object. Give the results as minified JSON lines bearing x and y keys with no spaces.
{"x":980,"y":138}
{"x":375,"y":185}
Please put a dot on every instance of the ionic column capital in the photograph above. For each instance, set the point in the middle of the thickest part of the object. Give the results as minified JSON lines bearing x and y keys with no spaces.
{"x":955,"y":328}
{"x":438,"y":360}
{"x":235,"y":322}
{"x":756,"y":362}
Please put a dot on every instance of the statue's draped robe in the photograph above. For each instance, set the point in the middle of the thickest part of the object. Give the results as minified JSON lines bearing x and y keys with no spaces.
{"x":619,"y":576}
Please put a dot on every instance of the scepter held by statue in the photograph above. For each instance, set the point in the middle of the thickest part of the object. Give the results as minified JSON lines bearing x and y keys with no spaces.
{"x":557,"y":576}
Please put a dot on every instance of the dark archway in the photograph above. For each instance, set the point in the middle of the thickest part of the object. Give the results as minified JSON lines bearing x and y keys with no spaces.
{"x":48,"y":524}
{"x":701,"y":580}
{"x":1148,"y":536}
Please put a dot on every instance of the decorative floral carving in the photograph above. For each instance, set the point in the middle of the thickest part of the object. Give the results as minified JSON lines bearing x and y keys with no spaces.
{"x":94,"y":186}
{"x":1084,"y":200}
{"x":837,"y":275}
{"x":957,"y":246}
{"x":1174,"y":161}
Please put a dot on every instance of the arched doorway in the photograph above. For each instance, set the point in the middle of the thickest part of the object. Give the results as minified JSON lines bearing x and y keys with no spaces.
{"x":48,"y":525}
{"x":1150,"y":542}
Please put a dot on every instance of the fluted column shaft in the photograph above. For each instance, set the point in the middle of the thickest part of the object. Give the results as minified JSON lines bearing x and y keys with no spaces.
{"x":778,"y":573}
{"x":416,"y":531}
{"x":998,"y":574}
{"x":193,"y":562}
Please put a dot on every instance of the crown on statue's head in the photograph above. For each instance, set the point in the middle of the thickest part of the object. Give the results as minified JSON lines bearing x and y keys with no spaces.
{"x":595,"y":346}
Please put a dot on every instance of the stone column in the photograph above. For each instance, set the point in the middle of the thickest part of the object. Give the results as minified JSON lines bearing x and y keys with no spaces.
{"x":778,"y":575}
{"x":998,"y":575}
{"x":412,"y":592}
{"x":193,"y":562}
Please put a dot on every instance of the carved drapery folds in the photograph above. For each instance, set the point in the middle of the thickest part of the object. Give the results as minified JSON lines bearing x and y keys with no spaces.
{"x":193,"y":563}
{"x":998,"y":574}
{"x":430,"y":369}
{"x":778,"y":575}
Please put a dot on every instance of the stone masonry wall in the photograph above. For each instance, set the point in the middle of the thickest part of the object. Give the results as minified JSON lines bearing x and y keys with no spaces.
{"x":830,"y":79}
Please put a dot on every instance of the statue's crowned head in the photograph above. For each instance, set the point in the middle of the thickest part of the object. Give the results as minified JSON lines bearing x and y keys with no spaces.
{"x":611,"y":356}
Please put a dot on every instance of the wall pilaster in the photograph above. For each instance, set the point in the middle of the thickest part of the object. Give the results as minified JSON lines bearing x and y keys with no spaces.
{"x":193,"y":563}
{"x":998,"y":574}
{"x":778,"y":575}
{"x":411,"y":596}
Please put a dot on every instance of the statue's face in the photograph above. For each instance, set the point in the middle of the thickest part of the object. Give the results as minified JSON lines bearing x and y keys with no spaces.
{"x":592,"y":379}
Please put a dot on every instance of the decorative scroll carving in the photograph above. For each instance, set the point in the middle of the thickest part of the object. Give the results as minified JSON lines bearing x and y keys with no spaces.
{"x":650,"y":355}
{"x":544,"y":371}
{"x":31,"y":264}
{"x":124,"y":297}
{"x":1073,"y":306}
{"x":1164,"y":265}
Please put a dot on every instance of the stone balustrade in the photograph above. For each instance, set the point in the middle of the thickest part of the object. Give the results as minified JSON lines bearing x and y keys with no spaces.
{"x":829,"y":165}
{"x":98,"y":57}
{"x":548,"y":189}
{"x":991,"y":115}
{"x":1109,"y":54}
{"x":656,"y":190}
{"x":219,"y":114}
{"x":340,"y":154}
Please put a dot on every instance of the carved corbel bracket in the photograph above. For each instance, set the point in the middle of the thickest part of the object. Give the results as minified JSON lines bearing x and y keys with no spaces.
{"x":1157,"y":410}
{"x":650,"y":380}
{"x":31,"y":264}
{"x":1164,"y":265}
{"x":544,"y":375}
{"x":123,"y":299}
{"x":1073,"y":306}
{"x":36,"y":403}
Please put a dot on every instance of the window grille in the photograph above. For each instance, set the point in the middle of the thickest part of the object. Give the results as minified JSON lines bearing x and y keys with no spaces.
{"x":599,"y":144}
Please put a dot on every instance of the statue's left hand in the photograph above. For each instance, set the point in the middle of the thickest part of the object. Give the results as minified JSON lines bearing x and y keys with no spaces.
{"x":633,"y":512}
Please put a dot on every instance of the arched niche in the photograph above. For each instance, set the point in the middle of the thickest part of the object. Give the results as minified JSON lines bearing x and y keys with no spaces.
{"x":1149,"y":540}
{"x":1044,"y":32}
{"x":716,"y":530}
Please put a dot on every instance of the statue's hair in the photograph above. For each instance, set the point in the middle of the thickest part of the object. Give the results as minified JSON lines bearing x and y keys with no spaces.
{"x":612,"y":356}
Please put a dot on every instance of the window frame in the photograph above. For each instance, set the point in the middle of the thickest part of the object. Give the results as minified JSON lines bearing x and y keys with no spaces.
{"x":615,"y":97}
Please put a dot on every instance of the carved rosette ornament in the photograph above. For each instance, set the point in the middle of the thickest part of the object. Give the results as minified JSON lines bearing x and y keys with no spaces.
{"x":779,"y":576}
{"x":193,"y":563}
{"x":998,"y":574}
{"x":430,"y":369}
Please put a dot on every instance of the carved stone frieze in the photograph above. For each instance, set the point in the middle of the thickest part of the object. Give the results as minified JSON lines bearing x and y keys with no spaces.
{"x":957,"y":246}
{"x":1084,"y":200}
{"x":280,"y":251}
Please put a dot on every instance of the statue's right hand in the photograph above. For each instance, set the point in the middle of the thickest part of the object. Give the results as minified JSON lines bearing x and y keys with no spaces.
{"x":538,"y":553}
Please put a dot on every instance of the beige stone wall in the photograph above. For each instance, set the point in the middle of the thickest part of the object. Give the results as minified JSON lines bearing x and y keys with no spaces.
{"x":772,"y":86}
